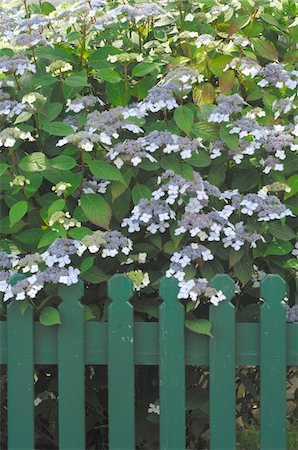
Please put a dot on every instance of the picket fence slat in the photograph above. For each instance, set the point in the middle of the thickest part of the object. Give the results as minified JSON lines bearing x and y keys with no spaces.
{"x":273,"y":364}
{"x":121,"y":365}
{"x":20,"y":378}
{"x":222,"y":368}
{"x":171,"y":368}
{"x":122,"y":344}
{"x":71,"y":369}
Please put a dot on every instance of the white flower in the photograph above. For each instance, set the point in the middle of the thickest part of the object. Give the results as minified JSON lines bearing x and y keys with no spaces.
{"x":218,"y":297}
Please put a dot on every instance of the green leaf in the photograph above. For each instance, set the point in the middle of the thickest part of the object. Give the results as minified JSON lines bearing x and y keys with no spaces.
{"x":43,"y":81}
{"x":110,"y":75}
{"x":35,"y":162}
{"x":96,"y":209}
{"x":57,"y":128}
{"x":49,"y":112}
{"x":139,"y":192}
{"x":49,"y":316}
{"x":23,"y":117}
{"x":200,"y":159}
{"x":103,"y":169}
{"x":292,"y":182}
{"x":88,"y":313}
{"x":79,"y":233}
{"x":208,"y":94}
{"x":279,"y":248}
{"x":98,"y":58}
{"x":46,"y":8}
{"x":265,"y":49}
{"x":48,"y":238}
{"x":144,"y":68}
{"x":63,"y":162}
{"x":243,"y":269}
{"x":226,"y":80}
{"x":77,"y":80}
{"x":281,"y":231}
{"x":205,"y":131}
{"x":291,"y":264}
{"x":18,"y":211}
{"x":118,"y":94}
{"x":57,"y":205}
{"x":94,"y":275}
{"x":184,"y":118}
{"x":30,"y":237}
{"x":200,"y":326}
{"x":231,"y":140}
{"x":48,"y":52}
{"x":217,"y":65}
{"x":3,"y":168}
{"x":87,"y":263}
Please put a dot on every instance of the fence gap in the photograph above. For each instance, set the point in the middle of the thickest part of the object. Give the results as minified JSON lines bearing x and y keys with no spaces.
{"x":273,"y":364}
{"x":171,"y":367}
{"x":71,"y":366}
{"x":20,"y":377}
{"x":222,"y":368}
{"x":121,"y":395}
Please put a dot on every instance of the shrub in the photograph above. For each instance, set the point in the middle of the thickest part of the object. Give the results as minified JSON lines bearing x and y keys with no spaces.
{"x":148,"y":139}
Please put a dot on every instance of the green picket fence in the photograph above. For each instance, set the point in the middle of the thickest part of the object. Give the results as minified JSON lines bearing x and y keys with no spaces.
{"x":120,"y":343}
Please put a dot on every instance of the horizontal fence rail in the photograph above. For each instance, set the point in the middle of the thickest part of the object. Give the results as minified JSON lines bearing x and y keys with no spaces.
{"x":122,"y":343}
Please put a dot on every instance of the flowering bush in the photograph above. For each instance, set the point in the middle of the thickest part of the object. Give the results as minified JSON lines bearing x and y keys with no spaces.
{"x":148,"y":139}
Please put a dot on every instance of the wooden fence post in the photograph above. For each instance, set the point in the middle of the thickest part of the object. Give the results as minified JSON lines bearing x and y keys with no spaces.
{"x":273,"y":364}
{"x":222,"y":368}
{"x":20,"y":377}
{"x":71,"y":368}
{"x":171,"y":367}
{"x":121,"y":365}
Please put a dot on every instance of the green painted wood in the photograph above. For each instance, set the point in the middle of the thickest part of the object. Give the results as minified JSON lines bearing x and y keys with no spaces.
{"x":273,"y":364}
{"x":20,"y":372}
{"x":147,"y":347}
{"x":121,"y":365}
{"x":71,"y":369}
{"x":222,"y":360}
{"x":171,"y":367}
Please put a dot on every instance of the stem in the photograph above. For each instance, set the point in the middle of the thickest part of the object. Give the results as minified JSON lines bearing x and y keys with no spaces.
{"x":26,"y":9}
{"x":126,"y":78}
{"x":17,"y":81}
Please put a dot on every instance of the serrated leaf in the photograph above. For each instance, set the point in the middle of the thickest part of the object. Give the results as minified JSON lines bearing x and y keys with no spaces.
{"x":279,"y":248}
{"x":144,"y":68}
{"x":109,"y":75}
{"x":208,"y":94}
{"x":243,"y":270}
{"x":292,"y":182}
{"x":105,"y":170}
{"x":23,"y":117}
{"x":139,"y":192}
{"x":94,"y":275}
{"x":231,"y":140}
{"x":57,"y":205}
{"x":281,"y":231}
{"x":57,"y":128}
{"x":35,"y":162}
{"x":200,"y":326}
{"x":87,"y":263}
{"x":184,"y":118}
{"x":49,"y":316}
{"x":48,"y":238}
{"x":18,"y":211}
{"x":88,"y":313}
{"x":265,"y":49}
{"x":226,"y":80}
{"x":118,"y":94}
{"x":205,"y":131}
{"x":77,"y":80}
{"x":96,"y":209}
{"x":3,"y":168}
{"x":63,"y":162}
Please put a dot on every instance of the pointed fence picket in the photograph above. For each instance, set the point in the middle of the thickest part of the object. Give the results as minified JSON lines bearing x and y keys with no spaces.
{"x":121,"y":344}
